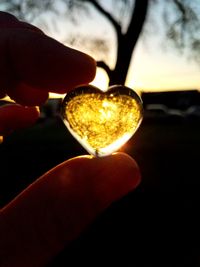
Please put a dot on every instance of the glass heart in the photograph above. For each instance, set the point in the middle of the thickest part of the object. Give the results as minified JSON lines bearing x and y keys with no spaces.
{"x":102,"y":121}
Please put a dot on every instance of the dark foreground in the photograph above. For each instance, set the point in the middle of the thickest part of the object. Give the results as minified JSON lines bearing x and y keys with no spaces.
{"x":156,"y":225}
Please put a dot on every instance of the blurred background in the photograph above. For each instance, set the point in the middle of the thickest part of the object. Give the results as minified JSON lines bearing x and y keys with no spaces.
{"x":152,"y":46}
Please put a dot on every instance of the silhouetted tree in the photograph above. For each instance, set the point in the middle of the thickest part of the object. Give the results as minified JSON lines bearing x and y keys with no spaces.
{"x":126,"y":40}
{"x":181,"y":18}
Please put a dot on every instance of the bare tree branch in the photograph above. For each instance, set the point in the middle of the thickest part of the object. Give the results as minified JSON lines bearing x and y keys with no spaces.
{"x":107,"y":15}
{"x":139,"y":15}
{"x":183,"y":30}
{"x":104,"y":66}
{"x":180,"y":6}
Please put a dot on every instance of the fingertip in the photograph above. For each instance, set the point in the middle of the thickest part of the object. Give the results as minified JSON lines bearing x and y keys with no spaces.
{"x":82,"y":71}
{"x":40,"y":61}
{"x":14,"y":117}
{"x":59,"y":68}
{"x":110,"y":177}
{"x":130,"y":166}
{"x":91,"y":68}
{"x":27,"y":95}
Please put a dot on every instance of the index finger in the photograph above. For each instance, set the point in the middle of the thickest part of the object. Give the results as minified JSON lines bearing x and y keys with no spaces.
{"x":42,"y":62}
{"x":55,"y":209}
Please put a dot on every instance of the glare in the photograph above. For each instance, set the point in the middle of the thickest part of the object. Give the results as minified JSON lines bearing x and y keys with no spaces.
{"x":116,"y":145}
{"x":101,"y":79}
{"x":54,"y":95}
{"x":105,"y":104}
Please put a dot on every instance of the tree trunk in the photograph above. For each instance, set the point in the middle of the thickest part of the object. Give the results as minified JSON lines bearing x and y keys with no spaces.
{"x":127,"y":42}
{"x":118,"y":75}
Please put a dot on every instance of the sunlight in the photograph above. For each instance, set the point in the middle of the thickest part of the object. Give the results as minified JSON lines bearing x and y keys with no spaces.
{"x":116,"y":145}
{"x":153,"y":70}
{"x":101,"y":79}
{"x":54,"y":95}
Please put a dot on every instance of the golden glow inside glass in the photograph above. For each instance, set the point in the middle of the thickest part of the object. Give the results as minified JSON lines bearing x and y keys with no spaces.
{"x":102,"y":121}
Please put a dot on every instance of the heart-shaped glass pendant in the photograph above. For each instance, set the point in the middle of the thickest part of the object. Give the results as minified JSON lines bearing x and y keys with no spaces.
{"x":102,"y":121}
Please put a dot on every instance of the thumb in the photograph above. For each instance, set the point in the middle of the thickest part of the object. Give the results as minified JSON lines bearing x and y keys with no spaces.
{"x":56,"y":208}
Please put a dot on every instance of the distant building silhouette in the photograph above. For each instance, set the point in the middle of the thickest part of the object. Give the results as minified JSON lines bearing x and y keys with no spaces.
{"x":172,"y":99}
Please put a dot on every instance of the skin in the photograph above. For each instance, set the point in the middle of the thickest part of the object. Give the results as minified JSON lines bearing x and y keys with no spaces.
{"x":69,"y":197}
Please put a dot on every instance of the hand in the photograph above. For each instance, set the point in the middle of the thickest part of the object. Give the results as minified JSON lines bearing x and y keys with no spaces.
{"x":58,"y":206}
{"x":31,"y":65}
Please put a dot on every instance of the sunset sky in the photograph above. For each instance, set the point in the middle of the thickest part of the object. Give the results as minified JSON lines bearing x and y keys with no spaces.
{"x":154,"y":70}
{"x":155,"y":65}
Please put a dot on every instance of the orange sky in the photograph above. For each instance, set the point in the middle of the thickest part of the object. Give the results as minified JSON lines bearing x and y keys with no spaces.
{"x":156,"y":65}
{"x":152,"y":67}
